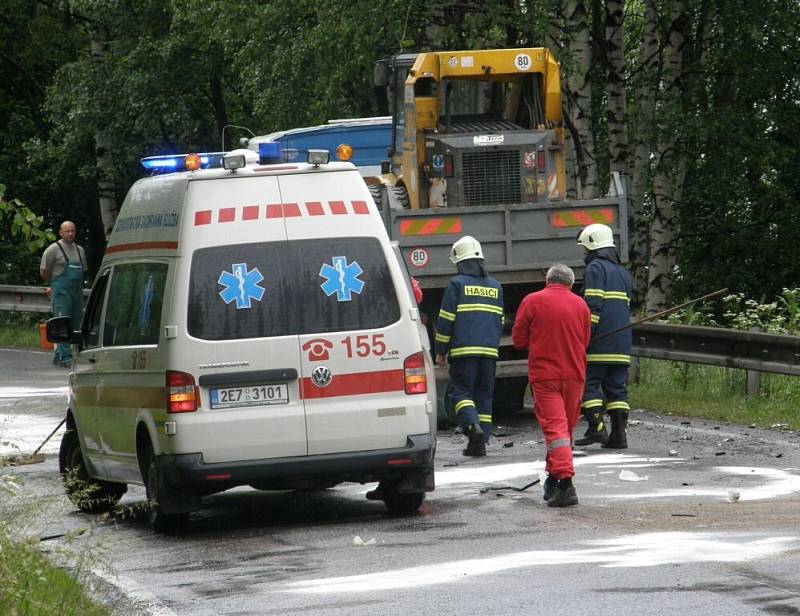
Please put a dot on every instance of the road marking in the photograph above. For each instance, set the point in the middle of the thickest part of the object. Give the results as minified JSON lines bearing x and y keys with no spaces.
{"x":144,"y":600}
{"x":645,"y":550}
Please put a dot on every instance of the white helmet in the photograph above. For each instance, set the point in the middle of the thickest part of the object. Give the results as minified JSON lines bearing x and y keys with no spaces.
{"x":596,"y":236}
{"x":466,"y":248}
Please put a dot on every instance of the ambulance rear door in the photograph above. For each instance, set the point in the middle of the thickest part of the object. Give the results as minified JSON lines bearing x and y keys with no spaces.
{"x":356,"y":332}
{"x":240,"y":339}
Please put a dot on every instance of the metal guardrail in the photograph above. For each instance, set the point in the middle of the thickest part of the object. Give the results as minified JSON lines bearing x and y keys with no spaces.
{"x":25,"y":299}
{"x":713,"y":346}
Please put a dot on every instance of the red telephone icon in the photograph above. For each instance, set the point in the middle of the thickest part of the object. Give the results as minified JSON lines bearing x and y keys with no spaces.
{"x":317,"y":349}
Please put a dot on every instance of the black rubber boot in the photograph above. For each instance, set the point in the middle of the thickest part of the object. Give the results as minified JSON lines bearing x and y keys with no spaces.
{"x":549,"y":487}
{"x":564,"y":495}
{"x":618,"y":439}
{"x":596,"y":432}
{"x":475,"y":446}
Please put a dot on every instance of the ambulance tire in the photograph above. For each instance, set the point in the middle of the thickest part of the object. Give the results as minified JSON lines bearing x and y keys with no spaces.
{"x":160,"y":522}
{"x":88,"y":495}
{"x":401,"y":197}
{"x":401,"y":504}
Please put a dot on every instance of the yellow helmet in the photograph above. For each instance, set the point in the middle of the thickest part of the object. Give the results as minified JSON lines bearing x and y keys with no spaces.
{"x":466,"y":248}
{"x":596,"y":236}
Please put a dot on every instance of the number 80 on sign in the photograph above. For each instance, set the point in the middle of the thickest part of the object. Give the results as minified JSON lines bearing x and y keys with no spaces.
{"x":418,"y":257}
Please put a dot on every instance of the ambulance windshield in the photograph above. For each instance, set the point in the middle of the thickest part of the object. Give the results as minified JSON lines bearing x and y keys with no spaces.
{"x":290,"y":288}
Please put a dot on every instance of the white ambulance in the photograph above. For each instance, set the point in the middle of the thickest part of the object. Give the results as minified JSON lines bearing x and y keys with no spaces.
{"x":251,"y":324}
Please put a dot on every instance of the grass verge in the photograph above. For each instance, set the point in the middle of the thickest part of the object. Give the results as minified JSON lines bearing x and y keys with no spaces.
{"x":714,"y":393}
{"x":20,"y":329}
{"x":32,"y":585}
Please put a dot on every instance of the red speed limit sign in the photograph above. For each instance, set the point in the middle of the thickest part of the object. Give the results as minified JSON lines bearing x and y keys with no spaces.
{"x":418,"y":257}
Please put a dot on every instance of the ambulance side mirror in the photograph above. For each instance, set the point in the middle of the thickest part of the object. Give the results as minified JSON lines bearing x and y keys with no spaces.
{"x":59,"y":329}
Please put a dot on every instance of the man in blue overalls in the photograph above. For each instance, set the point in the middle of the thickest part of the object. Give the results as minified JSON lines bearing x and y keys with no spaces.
{"x":62,"y":267}
{"x":468,"y":334}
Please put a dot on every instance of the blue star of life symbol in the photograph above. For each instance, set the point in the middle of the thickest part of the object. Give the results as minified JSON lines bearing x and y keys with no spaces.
{"x":341,"y":278}
{"x":241,"y":285}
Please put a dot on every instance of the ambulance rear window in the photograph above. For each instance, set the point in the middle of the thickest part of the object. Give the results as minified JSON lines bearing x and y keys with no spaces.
{"x":289,"y":288}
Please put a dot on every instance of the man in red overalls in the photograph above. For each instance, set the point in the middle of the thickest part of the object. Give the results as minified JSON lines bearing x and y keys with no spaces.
{"x":554,"y":325}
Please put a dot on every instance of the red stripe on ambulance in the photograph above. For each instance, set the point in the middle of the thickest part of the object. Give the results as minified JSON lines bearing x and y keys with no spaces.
{"x":354,"y":384}
{"x":286,"y":210}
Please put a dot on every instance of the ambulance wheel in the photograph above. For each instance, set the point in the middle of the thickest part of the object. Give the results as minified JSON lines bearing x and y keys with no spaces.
{"x":401,"y":504}
{"x":160,"y":522}
{"x":89,"y":496}
{"x":400,"y":195}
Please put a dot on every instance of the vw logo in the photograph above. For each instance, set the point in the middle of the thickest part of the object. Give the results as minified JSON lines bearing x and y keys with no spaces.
{"x":321,"y":376}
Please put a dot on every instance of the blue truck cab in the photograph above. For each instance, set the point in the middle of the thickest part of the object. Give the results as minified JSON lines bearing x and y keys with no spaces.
{"x":362,"y":141}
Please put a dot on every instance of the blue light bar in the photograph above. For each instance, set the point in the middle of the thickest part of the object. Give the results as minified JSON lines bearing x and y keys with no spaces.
{"x":171,"y":163}
{"x":269,"y":152}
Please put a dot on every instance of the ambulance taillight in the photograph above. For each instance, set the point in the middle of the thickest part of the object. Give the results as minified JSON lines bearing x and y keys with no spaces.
{"x":183,"y":395}
{"x":415,"y":378}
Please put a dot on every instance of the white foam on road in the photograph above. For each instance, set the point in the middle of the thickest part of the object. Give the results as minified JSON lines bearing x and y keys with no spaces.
{"x":770,"y":483}
{"x":22,"y":434}
{"x":645,"y":550}
{"x":14,"y":393}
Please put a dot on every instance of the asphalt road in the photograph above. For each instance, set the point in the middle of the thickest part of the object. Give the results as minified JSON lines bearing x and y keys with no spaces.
{"x":695,"y":517}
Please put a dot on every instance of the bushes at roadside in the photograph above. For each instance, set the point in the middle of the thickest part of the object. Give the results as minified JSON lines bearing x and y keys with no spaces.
{"x":20,"y":329}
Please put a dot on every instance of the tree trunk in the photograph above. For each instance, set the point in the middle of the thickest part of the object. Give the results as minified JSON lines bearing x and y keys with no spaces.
{"x":106,"y":186}
{"x":670,"y":172}
{"x":616,"y":106}
{"x":642,"y":130}
{"x":578,"y":90}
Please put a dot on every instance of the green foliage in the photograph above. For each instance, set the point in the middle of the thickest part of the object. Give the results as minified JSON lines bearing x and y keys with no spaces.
{"x":22,"y":238}
{"x":780,"y":316}
{"x":25,"y":224}
{"x":20,"y":329}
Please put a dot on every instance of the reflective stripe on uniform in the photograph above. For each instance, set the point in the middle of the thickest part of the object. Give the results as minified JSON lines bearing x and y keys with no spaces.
{"x":463,"y":351}
{"x":449,"y":316}
{"x":618,"y":295}
{"x":617,"y":405}
{"x":595,"y":318}
{"x":484,"y":418}
{"x":607,"y":294}
{"x":463,"y":403}
{"x":479,"y":308}
{"x":591,"y":404}
{"x":608,"y":358}
{"x":559,"y":442}
{"x":442,"y":338}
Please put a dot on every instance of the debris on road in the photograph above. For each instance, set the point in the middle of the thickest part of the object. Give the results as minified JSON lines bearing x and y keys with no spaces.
{"x":359,"y":542}
{"x":733,"y":496}
{"x":625,"y":475}
{"x":522,"y":489}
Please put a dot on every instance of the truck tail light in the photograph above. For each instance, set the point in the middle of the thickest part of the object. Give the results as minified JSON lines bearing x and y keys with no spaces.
{"x":448,"y":166}
{"x":415,"y":377}
{"x":182,"y":394}
{"x":540,"y":161}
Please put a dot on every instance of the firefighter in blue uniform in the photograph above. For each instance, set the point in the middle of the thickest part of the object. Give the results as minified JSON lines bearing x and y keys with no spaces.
{"x":468,"y":335}
{"x":607,"y":291}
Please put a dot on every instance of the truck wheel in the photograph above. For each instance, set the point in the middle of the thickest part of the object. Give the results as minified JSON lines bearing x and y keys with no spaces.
{"x":400,"y":195}
{"x":375,"y":190}
{"x":401,"y":504}
{"x":160,"y":522}
{"x":88,"y":495}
